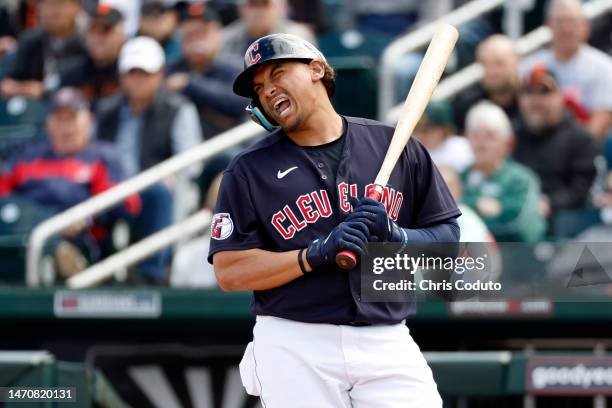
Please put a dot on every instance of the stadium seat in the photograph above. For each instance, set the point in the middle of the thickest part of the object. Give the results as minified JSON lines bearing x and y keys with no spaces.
{"x":20,"y":122}
{"x":21,"y":111}
{"x":17,"y":219}
{"x":356,"y":86}
{"x":353,"y":43}
{"x":354,"y":55}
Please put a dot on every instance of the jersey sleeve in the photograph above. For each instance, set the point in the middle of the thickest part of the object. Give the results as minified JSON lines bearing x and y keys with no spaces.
{"x":235,"y":225}
{"x":432,"y":199}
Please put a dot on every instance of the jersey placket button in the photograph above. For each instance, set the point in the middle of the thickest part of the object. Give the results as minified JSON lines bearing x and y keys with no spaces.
{"x":323,"y":176}
{"x":320,"y":165}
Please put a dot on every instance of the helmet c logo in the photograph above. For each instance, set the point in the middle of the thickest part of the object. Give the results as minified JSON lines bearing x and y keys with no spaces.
{"x":254,"y":56}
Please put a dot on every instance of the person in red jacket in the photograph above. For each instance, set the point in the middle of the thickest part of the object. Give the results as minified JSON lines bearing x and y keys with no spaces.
{"x":65,"y":169}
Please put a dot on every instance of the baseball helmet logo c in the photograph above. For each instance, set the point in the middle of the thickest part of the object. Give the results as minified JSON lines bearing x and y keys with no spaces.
{"x":254,"y":56}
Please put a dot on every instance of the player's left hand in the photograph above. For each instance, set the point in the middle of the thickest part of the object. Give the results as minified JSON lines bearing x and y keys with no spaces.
{"x":374,"y":215}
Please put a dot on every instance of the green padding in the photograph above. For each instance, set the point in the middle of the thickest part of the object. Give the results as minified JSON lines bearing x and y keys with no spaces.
{"x":39,"y":369}
{"x":75,"y":375}
{"x":93,"y":389}
{"x":215,"y":305}
{"x":515,"y":378}
{"x":474,"y":374}
{"x":104,"y":394}
{"x":26,"y":369}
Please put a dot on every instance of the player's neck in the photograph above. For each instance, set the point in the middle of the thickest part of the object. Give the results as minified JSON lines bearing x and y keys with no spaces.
{"x":323,"y":126}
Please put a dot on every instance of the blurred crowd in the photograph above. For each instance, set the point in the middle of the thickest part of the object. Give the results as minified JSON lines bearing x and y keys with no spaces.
{"x":93,"y":92}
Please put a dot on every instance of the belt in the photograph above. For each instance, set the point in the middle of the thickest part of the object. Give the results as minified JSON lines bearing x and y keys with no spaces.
{"x":356,"y":324}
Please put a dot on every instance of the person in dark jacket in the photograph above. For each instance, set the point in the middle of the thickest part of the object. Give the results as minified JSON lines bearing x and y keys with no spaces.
{"x":159,"y":20}
{"x":148,"y":124}
{"x":96,"y":72}
{"x":500,"y":81}
{"x":553,"y":144}
{"x":42,"y":52}
{"x":203,"y":77}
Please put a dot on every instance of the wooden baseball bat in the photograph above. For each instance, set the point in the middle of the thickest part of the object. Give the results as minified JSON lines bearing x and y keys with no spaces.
{"x":427,"y":77}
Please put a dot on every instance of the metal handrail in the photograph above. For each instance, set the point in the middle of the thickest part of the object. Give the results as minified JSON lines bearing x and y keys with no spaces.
{"x":144,"y":248}
{"x":417,"y":39}
{"x":121,"y":191}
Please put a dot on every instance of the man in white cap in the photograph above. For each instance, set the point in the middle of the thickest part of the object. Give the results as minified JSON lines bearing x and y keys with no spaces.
{"x":148,"y":124}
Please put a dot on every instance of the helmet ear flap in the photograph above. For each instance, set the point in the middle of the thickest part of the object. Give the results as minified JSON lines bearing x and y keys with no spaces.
{"x":258,"y":116}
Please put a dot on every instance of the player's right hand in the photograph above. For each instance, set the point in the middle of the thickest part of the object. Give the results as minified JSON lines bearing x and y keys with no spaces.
{"x":351,"y":235}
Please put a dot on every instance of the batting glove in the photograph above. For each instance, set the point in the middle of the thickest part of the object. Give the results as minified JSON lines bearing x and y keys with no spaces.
{"x":381,"y":228}
{"x":351,"y":235}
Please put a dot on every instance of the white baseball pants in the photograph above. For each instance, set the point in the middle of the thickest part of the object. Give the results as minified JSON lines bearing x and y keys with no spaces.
{"x":305,"y":365}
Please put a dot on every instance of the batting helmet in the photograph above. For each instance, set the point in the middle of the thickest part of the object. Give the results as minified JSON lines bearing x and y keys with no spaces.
{"x":269,"y":48}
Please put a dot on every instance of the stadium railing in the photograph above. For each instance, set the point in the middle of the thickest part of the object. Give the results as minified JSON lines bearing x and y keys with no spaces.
{"x":240,"y":134}
{"x":418,"y":39}
{"x":118,"y":193}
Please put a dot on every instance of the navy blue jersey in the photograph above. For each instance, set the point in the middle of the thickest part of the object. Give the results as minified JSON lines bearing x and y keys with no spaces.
{"x":276,"y":197}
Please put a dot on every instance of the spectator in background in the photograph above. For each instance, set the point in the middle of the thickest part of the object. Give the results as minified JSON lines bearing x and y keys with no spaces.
{"x":436,"y":131}
{"x":96,"y":73}
{"x":553,"y":144}
{"x":9,"y":27}
{"x":583,"y":72}
{"x":64,"y":170}
{"x":311,"y":13}
{"x":147,"y":121}
{"x":474,"y":228}
{"x":500,"y":81}
{"x":159,"y":20}
{"x":130,"y":10}
{"x":257,"y":19}
{"x":393,"y":17}
{"x":504,"y":193}
{"x":42,"y":52}
{"x":16,"y":16}
{"x":203,"y":77}
{"x":148,"y":124}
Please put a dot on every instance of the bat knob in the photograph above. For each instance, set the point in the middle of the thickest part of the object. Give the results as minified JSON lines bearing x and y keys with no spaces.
{"x":346,"y":259}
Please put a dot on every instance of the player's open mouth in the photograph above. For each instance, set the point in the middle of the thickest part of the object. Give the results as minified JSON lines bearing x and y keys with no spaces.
{"x":281,"y":107}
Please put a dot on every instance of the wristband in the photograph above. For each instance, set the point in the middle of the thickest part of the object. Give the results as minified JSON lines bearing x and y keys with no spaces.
{"x":301,"y":261}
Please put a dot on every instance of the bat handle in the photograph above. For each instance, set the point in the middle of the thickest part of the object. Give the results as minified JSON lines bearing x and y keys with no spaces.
{"x":348,"y":259}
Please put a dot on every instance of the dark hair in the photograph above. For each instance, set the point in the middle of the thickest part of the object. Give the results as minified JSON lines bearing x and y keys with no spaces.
{"x":328,"y":79}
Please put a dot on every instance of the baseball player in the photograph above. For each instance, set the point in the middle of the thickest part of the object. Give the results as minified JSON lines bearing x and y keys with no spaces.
{"x":285,"y":209}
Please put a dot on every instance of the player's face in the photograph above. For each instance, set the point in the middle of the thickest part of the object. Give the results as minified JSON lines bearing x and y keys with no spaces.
{"x":285,"y":91}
